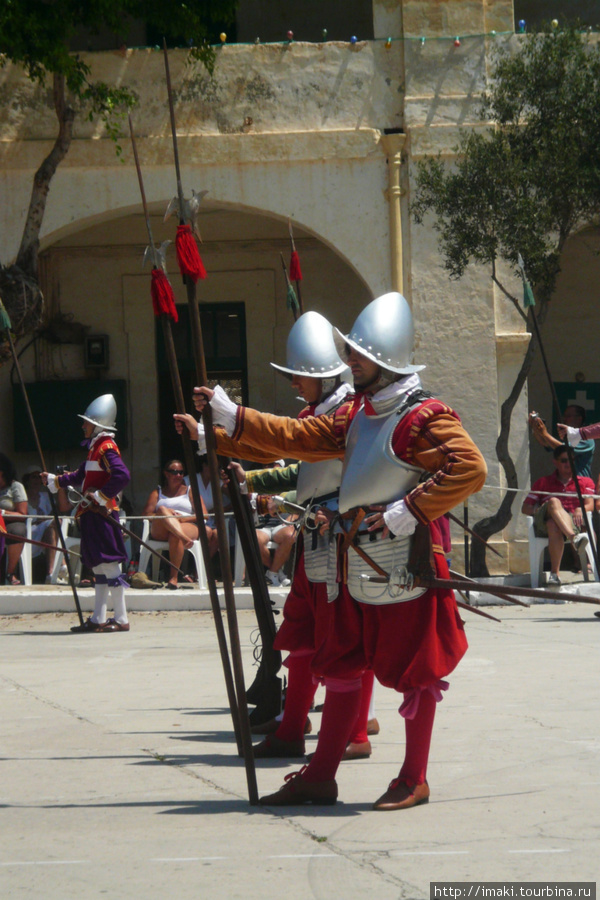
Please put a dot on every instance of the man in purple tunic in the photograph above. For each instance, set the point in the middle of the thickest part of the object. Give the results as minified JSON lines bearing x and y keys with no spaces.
{"x":102,"y":477}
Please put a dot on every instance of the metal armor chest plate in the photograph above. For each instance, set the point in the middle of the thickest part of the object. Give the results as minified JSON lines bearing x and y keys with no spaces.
{"x":372,"y":473}
{"x":317,"y":479}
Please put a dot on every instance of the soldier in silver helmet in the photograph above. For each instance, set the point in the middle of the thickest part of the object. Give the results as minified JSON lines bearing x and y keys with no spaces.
{"x":101,"y":479}
{"x":407,"y":461}
{"x":315,"y":371}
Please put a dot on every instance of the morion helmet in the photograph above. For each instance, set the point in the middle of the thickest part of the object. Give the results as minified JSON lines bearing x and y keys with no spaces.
{"x":102,"y":412}
{"x":311,"y":350}
{"x":384,"y":333}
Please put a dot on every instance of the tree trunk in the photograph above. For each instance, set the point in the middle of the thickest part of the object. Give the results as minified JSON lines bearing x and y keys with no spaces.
{"x":19,"y":284}
{"x":490,"y":525}
{"x":27,"y":257}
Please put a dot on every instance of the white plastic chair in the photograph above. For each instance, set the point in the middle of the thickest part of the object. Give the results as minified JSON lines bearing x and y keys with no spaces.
{"x":162,"y":547}
{"x":26,"y":555}
{"x":537,"y":546}
{"x":72,"y":542}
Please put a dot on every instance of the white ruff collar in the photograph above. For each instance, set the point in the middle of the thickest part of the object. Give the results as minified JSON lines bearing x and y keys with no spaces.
{"x":388,"y":397}
{"x":333,"y":400}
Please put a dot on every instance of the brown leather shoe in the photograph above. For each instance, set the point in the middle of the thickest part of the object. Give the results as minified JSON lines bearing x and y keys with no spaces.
{"x":357,"y":751}
{"x":113,"y":625}
{"x":401,"y":795}
{"x":88,"y":626}
{"x":373,"y":726}
{"x":274,"y":748}
{"x":273,"y":724}
{"x":296,"y":791}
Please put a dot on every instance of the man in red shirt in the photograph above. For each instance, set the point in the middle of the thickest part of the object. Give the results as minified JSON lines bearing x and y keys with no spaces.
{"x":559,"y":518}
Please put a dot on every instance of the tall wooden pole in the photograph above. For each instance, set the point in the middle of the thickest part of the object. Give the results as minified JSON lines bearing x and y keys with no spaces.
{"x":215,"y":480}
{"x":190,"y":463}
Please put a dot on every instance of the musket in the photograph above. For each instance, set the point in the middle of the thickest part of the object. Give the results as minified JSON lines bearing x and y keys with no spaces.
{"x":470,"y":531}
{"x":89,"y":506}
{"x":404,"y":581}
{"x":222,"y":531}
{"x":53,"y":505}
{"x":16,"y":539}
{"x":472,"y":581}
{"x":191,"y":467}
{"x":266,"y":689}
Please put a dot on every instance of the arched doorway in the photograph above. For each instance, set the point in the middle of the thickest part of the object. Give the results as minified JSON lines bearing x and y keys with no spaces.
{"x":94,"y":275}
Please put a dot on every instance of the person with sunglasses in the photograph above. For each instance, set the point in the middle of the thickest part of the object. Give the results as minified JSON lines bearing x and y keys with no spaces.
{"x":559,"y":518}
{"x":172,"y":504}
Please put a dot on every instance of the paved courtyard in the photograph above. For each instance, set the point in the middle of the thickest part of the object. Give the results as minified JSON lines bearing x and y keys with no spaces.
{"x":121,"y":779}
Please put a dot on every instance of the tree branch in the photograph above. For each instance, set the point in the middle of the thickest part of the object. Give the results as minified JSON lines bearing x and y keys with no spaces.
{"x":27,"y":257}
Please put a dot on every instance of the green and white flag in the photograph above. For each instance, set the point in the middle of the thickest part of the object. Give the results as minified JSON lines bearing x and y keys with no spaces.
{"x":528,"y":298}
{"x":5,"y":323}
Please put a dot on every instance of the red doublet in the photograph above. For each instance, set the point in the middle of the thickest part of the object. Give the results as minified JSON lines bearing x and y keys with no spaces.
{"x":96,"y":475}
{"x":408,"y":645}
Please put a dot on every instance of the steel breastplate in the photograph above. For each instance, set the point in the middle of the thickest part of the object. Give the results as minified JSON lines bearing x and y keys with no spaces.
{"x":317,"y":479}
{"x":372,"y":473}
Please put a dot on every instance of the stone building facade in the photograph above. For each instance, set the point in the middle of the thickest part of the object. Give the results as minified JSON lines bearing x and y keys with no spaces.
{"x":324,"y":136}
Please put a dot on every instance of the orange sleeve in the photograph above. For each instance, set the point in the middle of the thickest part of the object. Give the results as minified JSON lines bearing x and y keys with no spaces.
{"x":264,"y":437}
{"x":443,"y":447}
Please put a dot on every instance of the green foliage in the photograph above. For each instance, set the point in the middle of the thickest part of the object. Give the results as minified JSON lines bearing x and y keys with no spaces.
{"x":532,"y":178}
{"x":37,"y":33}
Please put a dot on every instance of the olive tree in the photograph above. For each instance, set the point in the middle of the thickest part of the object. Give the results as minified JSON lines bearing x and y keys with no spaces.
{"x":520,"y":188}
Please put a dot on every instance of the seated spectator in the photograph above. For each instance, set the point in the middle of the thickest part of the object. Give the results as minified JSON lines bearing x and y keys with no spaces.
{"x":559,"y":519}
{"x":272,"y":530}
{"x":13,"y":504}
{"x":173,"y":500}
{"x":573,"y":417}
{"x":205,"y":487}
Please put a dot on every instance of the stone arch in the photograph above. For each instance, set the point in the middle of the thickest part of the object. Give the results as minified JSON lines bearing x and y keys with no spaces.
{"x":92,"y":272}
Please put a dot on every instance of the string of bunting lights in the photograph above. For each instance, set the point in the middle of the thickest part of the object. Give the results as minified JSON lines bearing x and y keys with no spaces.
{"x":388,"y":41}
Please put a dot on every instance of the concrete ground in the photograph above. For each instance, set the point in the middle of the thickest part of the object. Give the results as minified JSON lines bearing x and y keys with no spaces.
{"x":121,"y":779}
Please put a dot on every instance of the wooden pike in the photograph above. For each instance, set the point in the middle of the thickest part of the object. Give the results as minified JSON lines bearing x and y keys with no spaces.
{"x":221,"y":526}
{"x":189,"y":458}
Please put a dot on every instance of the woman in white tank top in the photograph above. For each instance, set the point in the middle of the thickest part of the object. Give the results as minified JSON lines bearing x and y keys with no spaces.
{"x":173,"y":501}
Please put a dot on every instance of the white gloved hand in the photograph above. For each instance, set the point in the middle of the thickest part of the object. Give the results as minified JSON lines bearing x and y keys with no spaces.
{"x":573,"y":436}
{"x":398,"y":518}
{"x":224,"y":410}
{"x":52,"y":483}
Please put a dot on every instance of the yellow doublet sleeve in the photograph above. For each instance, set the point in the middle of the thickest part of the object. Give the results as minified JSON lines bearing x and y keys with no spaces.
{"x":266,"y":437}
{"x":458,"y":469}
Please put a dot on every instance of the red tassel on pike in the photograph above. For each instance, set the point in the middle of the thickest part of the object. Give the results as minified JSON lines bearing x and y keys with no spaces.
{"x":163,"y":298}
{"x":295,"y":271}
{"x":188,"y":256}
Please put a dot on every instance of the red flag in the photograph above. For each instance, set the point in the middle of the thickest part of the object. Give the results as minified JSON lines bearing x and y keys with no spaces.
{"x":163,"y":298}
{"x":188,"y":256}
{"x":295,"y":271}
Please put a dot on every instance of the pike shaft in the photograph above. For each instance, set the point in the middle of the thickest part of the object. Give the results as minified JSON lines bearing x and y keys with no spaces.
{"x":141,"y":183}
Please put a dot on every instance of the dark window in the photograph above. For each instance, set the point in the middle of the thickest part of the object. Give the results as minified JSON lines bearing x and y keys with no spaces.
{"x":224,"y":340}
